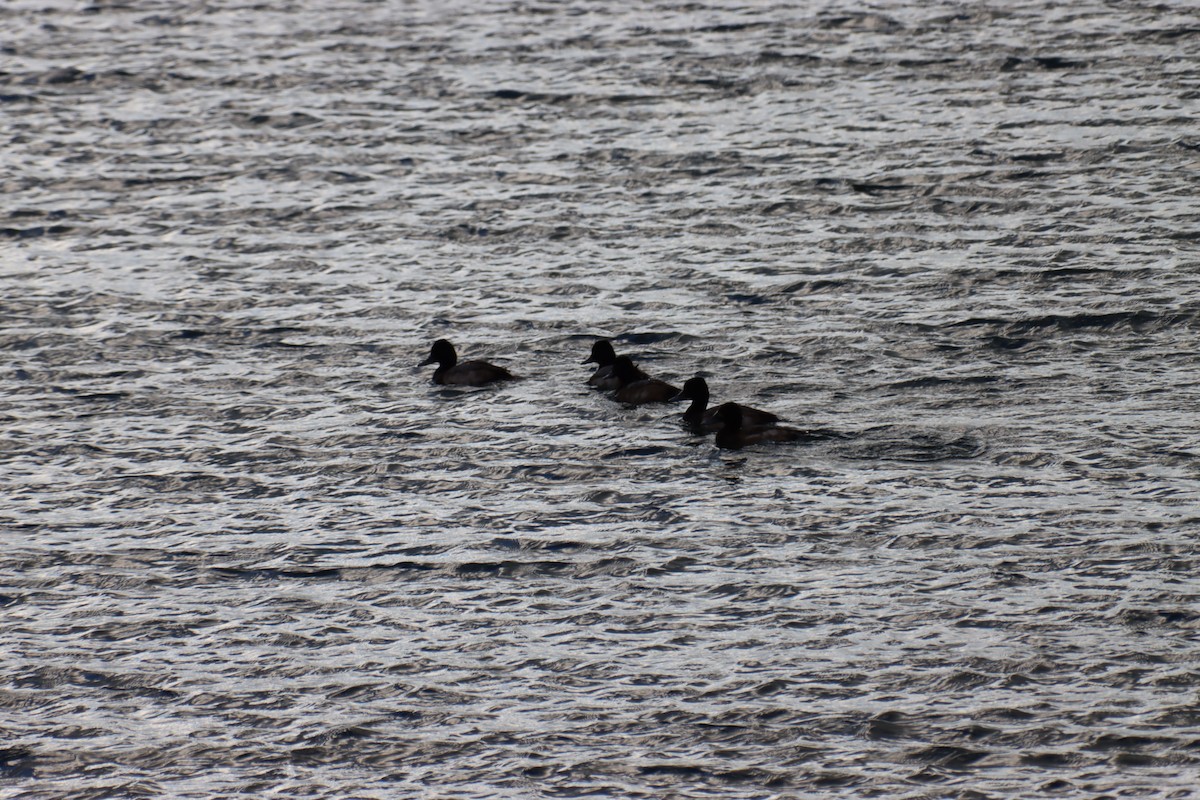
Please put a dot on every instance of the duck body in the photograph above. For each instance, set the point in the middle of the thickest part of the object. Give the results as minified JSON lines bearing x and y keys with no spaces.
{"x":469,"y":373}
{"x":603,"y":356}
{"x":701,"y":419}
{"x":640,"y":393}
{"x":733,"y":435}
{"x":635,"y":388}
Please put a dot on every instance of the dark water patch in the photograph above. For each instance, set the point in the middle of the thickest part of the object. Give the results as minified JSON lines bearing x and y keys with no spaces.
{"x":878,"y":188}
{"x":199,"y":486}
{"x":1037,"y":158}
{"x":755,"y":776}
{"x":896,"y":443}
{"x":748,"y":299}
{"x":679,"y":564}
{"x":98,"y":397}
{"x":934,"y":381}
{"x":644,"y":338}
{"x":273,"y":574}
{"x":780,"y":57}
{"x":1139,"y":321}
{"x":1144,"y":760}
{"x":16,"y":762}
{"x":1127,"y":743}
{"x":513,"y":569}
{"x":836,"y":780}
{"x":815,"y":286}
{"x":1005,"y":343}
{"x":59,"y":76}
{"x":734,"y":27}
{"x":948,"y":756}
{"x":1146,"y":618}
{"x":516,"y":94}
{"x":674,"y":770}
{"x":1179,"y":717}
{"x":532,"y":545}
{"x":773,"y":687}
{"x":888,"y":725}
{"x":1042,"y":63}
{"x":389,"y":567}
{"x":36,"y":231}
{"x":294,"y":119}
{"x":1168,"y":34}
{"x":633,"y":452}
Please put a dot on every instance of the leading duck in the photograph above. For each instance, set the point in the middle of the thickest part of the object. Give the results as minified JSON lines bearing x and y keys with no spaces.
{"x":468,"y":373}
{"x":701,"y":419}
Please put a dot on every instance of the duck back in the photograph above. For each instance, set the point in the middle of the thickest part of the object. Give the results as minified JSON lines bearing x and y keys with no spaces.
{"x":650,"y":390}
{"x":471,"y":373}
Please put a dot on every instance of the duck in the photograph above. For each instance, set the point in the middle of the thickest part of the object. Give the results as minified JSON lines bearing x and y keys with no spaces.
{"x":468,"y":373}
{"x":702,"y":419}
{"x":603,"y":356}
{"x":635,"y":388}
{"x":734,"y":436}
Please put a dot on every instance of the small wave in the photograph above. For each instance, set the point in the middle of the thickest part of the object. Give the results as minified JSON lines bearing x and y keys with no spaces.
{"x":512,"y":569}
{"x":948,"y":756}
{"x":1138,"y":320}
{"x":892,"y":443}
{"x":930,"y":381}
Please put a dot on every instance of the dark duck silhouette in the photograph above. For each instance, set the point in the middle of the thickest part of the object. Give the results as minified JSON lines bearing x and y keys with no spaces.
{"x":468,"y":373}
{"x":603,"y":356}
{"x":701,"y":419}
{"x":733,"y":435}
{"x":635,"y":389}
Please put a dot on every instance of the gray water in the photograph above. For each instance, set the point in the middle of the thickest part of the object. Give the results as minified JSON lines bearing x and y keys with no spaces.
{"x":249,"y":548}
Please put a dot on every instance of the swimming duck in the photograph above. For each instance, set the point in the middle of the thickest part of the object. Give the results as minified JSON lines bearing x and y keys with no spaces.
{"x":603,"y":356}
{"x":707,"y":421}
{"x":635,"y":388}
{"x":468,"y":373}
{"x":733,"y":436}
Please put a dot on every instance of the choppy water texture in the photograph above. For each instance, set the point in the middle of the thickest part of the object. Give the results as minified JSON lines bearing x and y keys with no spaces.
{"x":250,"y":549}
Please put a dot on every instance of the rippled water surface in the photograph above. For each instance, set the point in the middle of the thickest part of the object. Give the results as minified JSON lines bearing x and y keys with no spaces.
{"x":249,"y":548}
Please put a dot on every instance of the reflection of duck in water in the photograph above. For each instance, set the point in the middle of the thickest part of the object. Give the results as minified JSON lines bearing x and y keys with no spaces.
{"x":701,"y":419}
{"x":468,"y":373}
{"x":635,"y":388}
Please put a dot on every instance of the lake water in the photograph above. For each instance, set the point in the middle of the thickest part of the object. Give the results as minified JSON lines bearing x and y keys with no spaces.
{"x":250,"y":549}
